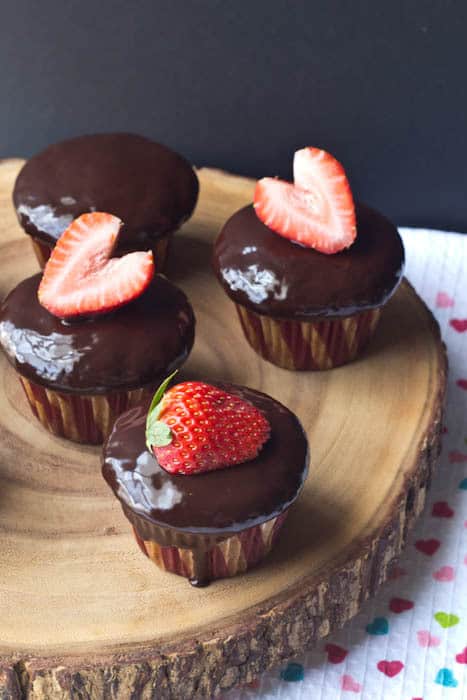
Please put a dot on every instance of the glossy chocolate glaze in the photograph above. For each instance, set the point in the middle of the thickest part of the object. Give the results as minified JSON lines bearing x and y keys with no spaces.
{"x":276,"y":277}
{"x":162,"y":506}
{"x":152,"y":189}
{"x":131,"y":347}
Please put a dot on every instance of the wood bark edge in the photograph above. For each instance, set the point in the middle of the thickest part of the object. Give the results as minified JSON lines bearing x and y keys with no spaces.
{"x":238,"y":653}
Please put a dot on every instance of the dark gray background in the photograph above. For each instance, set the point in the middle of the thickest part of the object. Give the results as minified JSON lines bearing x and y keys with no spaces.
{"x":240,"y":85}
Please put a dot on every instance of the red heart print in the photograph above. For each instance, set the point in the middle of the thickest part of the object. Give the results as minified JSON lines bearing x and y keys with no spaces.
{"x":442,"y":509}
{"x":390,"y":668}
{"x":462,"y":657}
{"x":462,"y":384}
{"x":456,"y":457}
{"x":349,"y":683}
{"x":399,"y":605}
{"x":459,"y":324}
{"x":428,"y":547}
{"x":336,"y":654}
{"x":396,"y":572}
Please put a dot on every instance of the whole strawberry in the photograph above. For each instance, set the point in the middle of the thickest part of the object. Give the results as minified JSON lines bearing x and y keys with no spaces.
{"x":196,"y":427}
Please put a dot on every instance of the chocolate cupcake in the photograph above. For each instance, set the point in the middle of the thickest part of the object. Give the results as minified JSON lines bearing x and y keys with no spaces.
{"x":204,"y":516}
{"x":148,"y":186}
{"x":301,"y":305}
{"x":82,"y":371}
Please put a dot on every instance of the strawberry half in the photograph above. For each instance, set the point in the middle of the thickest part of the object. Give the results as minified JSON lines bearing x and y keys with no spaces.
{"x":317,"y":211}
{"x":196,"y":427}
{"x":80,"y":277}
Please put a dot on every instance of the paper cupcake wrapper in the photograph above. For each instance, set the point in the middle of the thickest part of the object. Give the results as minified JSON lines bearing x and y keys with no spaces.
{"x":80,"y":417}
{"x":205,"y":559}
{"x":308,"y":345}
{"x":160,"y":250}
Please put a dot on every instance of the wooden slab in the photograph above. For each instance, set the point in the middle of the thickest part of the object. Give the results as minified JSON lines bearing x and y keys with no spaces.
{"x":83,"y":614}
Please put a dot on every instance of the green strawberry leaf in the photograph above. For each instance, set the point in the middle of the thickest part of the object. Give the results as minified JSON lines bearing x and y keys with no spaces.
{"x":158,"y":434}
{"x":156,"y":399}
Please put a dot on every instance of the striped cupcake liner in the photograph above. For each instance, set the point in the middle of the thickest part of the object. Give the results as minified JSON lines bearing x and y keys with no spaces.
{"x":80,"y":417}
{"x":308,"y":345}
{"x":160,"y":250}
{"x":202,"y":559}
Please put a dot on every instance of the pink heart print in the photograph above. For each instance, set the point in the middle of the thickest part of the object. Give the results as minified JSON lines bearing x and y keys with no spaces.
{"x":425,"y":639}
{"x":462,"y":657}
{"x":349,"y":683}
{"x":443,"y":300}
{"x":445,"y":573}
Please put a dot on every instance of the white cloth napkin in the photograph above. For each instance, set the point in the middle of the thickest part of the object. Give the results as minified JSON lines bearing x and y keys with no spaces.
{"x":421,"y":652}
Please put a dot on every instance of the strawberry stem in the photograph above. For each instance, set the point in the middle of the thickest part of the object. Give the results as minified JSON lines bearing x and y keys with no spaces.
{"x":161,"y":391}
{"x":157,"y":432}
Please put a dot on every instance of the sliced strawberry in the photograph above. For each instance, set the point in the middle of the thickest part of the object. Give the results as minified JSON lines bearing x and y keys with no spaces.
{"x":196,"y":427}
{"x":317,"y":211}
{"x":80,"y":278}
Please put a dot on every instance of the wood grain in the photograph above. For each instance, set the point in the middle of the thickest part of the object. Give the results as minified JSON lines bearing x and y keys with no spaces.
{"x":84,"y":615}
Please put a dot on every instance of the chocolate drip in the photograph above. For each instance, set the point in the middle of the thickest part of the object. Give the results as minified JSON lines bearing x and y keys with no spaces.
{"x":276,"y":277}
{"x":138,"y":344}
{"x":151,"y":188}
{"x":201,"y":577}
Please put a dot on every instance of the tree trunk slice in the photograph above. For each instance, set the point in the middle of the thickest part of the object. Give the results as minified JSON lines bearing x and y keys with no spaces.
{"x":84,"y":615}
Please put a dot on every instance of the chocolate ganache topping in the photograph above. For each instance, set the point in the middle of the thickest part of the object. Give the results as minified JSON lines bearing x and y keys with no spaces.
{"x":147,"y":185}
{"x":219,"y":502}
{"x":276,"y":277}
{"x":137,"y":344}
